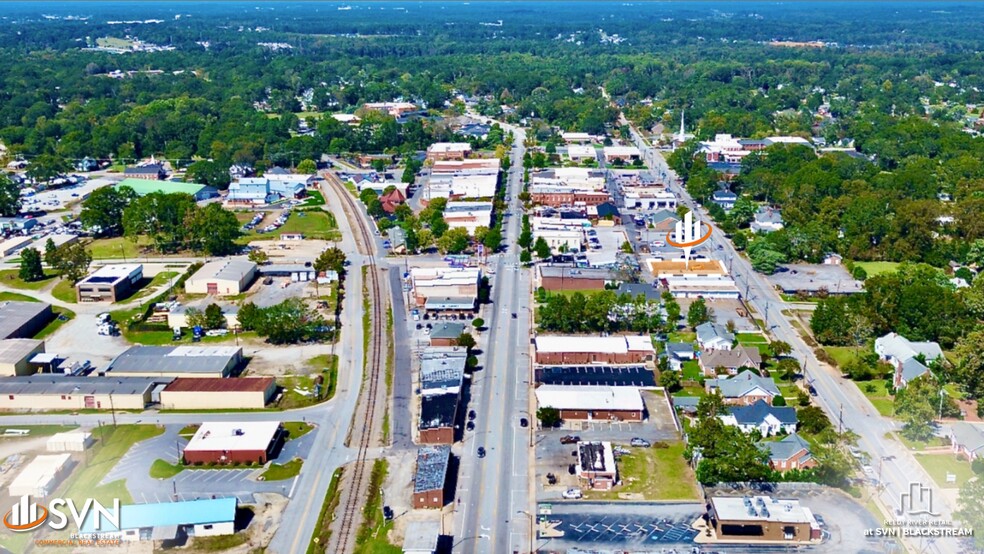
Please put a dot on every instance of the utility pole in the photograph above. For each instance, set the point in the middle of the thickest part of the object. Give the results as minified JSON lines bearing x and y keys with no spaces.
{"x":840,"y":419}
{"x":112,"y":409}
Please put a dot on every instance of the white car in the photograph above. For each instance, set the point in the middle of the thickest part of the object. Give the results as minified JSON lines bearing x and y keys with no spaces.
{"x":573,"y":494}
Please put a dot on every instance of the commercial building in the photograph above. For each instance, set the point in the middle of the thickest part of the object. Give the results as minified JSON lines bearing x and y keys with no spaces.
{"x":177,"y":316}
{"x":235,"y":442}
{"x":395,"y":109}
{"x":561,"y":240}
{"x":70,"y":441}
{"x":648,"y":198}
{"x":904,"y":355}
{"x":445,"y":283}
{"x":592,"y":402}
{"x":430,"y":477}
{"x":446,"y":333}
{"x":562,"y":277}
{"x":143,"y":187}
{"x":64,"y":392}
{"x":437,"y":416}
{"x":15,"y":224}
{"x":563,"y":195}
{"x":626,"y":154}
{"x":176,"y":361}
{"x":15,"y":355}
{"x":967,"y":439}
{"x":152,"y":171}
{"x":442,"y":370}
{"x":167,"y":521}
{"x":576,"y":349}
{"x":421,"y":537}
{"x":462,"y":179}
{"x":448,"y":151}
{"x":578,"y":153}
{"x":41,"y":476}
{"x":109,"y":283}
{"x":576,"y":138}
{"x":194,"y":393}
{"x":23,"y":319}
{"x":468,"y":215}
{"x":746,"y":388}
{"x":596,"y":465}
{"x":762,"y":518}
{"x":693,"y":286}
{"x":298,"y":273}
{"x":269,"y":188}
{"x":227,"y":277}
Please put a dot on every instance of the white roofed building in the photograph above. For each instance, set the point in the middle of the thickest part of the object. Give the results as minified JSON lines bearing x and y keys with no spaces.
{"x":592,"y":402}
{"x":577,"y":349}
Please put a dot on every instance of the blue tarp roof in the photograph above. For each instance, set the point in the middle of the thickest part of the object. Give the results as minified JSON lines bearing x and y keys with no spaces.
{"x":192,"y":512}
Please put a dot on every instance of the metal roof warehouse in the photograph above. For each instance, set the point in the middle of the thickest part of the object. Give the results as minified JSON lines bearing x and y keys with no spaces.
{"x":177,"y":361}
{"x":23,"y":319}
{"x":215,"y":516}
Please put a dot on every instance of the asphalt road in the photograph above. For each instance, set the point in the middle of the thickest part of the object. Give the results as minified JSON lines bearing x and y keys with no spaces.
{"x":494,"y":490}
{"x":843,"y":402}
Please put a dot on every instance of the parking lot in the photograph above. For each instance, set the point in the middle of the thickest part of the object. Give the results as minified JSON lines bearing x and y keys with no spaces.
{"x":595,"y":526}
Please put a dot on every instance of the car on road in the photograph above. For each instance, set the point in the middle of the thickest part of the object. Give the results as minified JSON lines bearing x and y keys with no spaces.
{"x":573,"y":494}
{"x":514,"y":315}
{"x":481,"y":451}
{"x":472,"y":415}
{"x":640,"y":442}
{"x":523,"y":422}
{"x":570,"y":439}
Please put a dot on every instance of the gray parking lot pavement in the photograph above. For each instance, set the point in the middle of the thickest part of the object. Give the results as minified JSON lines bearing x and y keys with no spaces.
{"x":637,"y":527}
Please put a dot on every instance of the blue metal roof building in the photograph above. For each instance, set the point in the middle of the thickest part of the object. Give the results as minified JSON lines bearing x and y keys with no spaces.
{"x":163,"y":521}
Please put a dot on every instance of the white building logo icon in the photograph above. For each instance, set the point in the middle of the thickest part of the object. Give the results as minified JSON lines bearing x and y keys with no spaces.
{"x":687,"y":235}
{"x":25,"y":515}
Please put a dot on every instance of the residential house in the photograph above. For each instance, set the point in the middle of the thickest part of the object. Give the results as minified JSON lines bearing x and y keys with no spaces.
{"x":87,"y":164}
{"x":724,"y":198}
{"x":664,"y":221}
{"x":791,"y":452}
{"x":730,"y":360}
{"x":967,"y":439}
{"x":767,"y":220}
{"x":238,"y":171}
{"x":745,"y":388}
{"x":679,"y":352}
{"x":833,"y":258}
{"x":904,"y":355}
{"x":605,"y":211}
{"x":768,"y":420}
{"x":391,"y":200}
{"x":713,"y":336}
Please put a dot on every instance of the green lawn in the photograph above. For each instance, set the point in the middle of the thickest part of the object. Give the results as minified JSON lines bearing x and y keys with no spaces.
{"x":874,"y":268}
{"x":314,"y":224}
{"x":372,"y":535}
{"x":112,"y":444}
{"x":297,"y":429}
{"x":751,"y":338}
{"x":278,"y":472}
{"x":11,"y":278}
{"x":160,"y":279}
{"x":36,"y":430}
{"x":878,"y":395}
{"x":8,"y":296}
{"x":933,"y":442}
{"x":938,"y":465}
{"x":654,"y":474}
{"x":64,"y":291}
{"x":682,"y":336}
{"x":117,"y":248}
{"x":323,"y":365}
{"x":691,"y":370}
{"x":326,"y":516}
{"x":162,"y":469}
{"x":218,"y":543}
{"x":189,"y":430}
{"x":314,"y":198}
{"x":842,"y":355}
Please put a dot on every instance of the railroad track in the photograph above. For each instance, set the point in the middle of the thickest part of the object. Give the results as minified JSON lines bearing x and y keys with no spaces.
{"x":361,"y":469}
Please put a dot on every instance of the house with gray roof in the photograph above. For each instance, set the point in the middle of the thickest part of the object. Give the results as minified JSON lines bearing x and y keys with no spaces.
{"x":651,"y":293}
{"x":790,"y":452}
{"x":767,"y":219}
{"x":677,"y":353}
{"x":745,"y":388}
{"x":714,"y":336}
{"x":906,"y":356}
{"x":664,"y":220}
{"x":768,"y":420}
{"x":731,"y":360}
{"x":968,"y":439}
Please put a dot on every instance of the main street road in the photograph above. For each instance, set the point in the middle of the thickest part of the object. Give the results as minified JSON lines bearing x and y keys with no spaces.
{"x":494,"y":491}
{"x":842,"y":401}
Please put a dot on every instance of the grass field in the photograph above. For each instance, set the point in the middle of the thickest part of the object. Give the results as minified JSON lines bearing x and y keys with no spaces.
{"x":939,"y":465}
{"x":875,"y":268}
{"x":879,"y":397}
{"x":297,"y":429}
{"x":35,"y":430}
{"x":295,"y":399}
{"x":918,"y":446}
{"x":372,"y":535}
{"x":162,"y":469}
{"x":217,"y":543}
{"x":11,"y":278}
{"x":682,"y":336}
{"x":314,"y":198}
{"x":313,"y":224}
{"x":117,"y":248}
{"x":279,"y":472}
{"x":325,"y":517}
{"x":56,"y":323}
{"x":691,"y":370}
{"x":160,"y":279}
{"x":7,"y":296}
{"x":113,"y":42}
{"x":639,"y":471}
{"x":842,"y":355}
{"x":64,"y":290}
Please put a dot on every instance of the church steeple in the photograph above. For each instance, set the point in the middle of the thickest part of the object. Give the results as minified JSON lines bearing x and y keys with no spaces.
{"x":682,"y":136}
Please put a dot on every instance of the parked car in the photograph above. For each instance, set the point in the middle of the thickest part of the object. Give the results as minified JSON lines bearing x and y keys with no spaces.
{"x":551,"y":479}
{"x":640,"y":442}
{"x":572,"y":469}
{"x":573,"y":494}
{"x":472,"y":415}
{"x":570,"y":439}
{"x":523,"y":422}
{"x":481,"y":451}
{"x":470,"y":426}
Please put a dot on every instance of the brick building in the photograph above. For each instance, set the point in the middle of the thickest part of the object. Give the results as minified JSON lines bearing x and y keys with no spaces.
{"x":430,"y":476}
{"x":592,"y":402}
{"x":575,"y":349}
